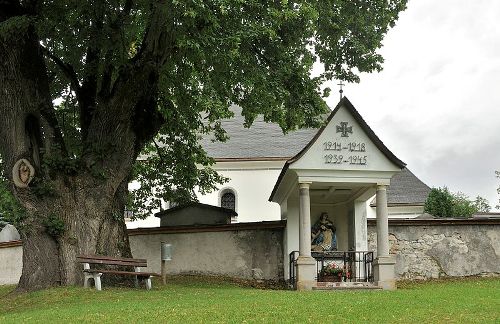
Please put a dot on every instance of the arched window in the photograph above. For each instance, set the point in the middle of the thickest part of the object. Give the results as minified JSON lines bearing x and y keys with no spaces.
{"x":228,"y":200}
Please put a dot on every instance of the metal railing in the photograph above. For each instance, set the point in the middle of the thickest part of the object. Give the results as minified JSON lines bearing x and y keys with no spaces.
{"x":292,"y":282}
{"x":357,"y":266}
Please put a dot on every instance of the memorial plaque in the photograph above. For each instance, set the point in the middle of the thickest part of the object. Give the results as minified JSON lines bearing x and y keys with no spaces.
{"x":342,"y":150}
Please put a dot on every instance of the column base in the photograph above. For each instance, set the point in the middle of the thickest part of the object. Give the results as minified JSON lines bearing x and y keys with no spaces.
{"x":306,"y":273}
{"x":383,"y":270}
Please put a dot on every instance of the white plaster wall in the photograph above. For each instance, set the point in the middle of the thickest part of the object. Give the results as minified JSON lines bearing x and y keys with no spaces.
{"x":11,"y":264}
{"x":395,"y":211}
{"x":253,"y":182}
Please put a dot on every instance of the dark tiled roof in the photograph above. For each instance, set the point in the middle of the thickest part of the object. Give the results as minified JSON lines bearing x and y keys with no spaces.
{"x":406,"y":189}
{"x":261,"y":140}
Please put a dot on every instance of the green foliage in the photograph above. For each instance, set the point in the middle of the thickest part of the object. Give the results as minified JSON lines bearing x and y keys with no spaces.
{"x":10,"y":209}
{"x":463,"y":206}
{"x":54,"y":226}
{"x":439,"y":203}
{"x":43,"y":188}
{"x":482,"y":205}
{"x":256,"y":54}
{"x":442,"y":203}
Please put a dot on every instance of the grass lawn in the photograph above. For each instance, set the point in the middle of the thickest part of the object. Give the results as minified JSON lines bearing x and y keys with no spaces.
{"x":193,"y":300}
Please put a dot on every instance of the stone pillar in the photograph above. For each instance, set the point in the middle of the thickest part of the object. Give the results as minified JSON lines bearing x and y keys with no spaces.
{"x":304,"y":220}
{"x":383,"y":266}
{"x":382,"y":222}
{"x":306,"y":265}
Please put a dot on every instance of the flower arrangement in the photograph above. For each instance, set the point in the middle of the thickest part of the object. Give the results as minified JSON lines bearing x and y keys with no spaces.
{"x":333,"y":270}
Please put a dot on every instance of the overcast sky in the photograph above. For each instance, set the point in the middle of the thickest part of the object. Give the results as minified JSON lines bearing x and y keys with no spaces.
{"x":436,"y":104}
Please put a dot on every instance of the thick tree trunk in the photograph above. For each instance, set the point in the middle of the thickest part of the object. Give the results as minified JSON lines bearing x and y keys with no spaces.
{"x":90,"y":209}
{"x":93,"y":224}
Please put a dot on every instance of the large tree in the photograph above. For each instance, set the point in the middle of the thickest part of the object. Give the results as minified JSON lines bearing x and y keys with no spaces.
{"x":87,"y":87}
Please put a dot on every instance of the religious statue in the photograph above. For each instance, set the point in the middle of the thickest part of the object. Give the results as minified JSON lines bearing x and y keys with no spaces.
{"x":323,"y":235}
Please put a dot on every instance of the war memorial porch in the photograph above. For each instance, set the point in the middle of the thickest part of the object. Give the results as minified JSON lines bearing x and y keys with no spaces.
{"x":336,"y":175}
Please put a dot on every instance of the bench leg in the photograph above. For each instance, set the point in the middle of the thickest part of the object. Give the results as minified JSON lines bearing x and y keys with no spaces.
{"x":97,"y":281}
{"x":86,"y":278}
{"x":148,"y":283}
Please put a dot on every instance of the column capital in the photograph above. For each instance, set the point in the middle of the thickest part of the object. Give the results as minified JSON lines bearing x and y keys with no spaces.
{"x":304,"y":185}
{"x":381,"y":187}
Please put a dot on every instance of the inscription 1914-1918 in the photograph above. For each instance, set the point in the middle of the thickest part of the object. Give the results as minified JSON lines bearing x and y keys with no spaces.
{"x":351,"y":147}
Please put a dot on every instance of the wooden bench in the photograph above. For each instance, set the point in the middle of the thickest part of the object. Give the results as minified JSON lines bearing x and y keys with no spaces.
{"x":96,"y":274}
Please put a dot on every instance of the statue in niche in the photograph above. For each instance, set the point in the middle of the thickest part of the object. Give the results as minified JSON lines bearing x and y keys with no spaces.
{"x":323,"y":235}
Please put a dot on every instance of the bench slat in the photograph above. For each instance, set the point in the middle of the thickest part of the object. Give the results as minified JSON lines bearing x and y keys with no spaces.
{"x":131,"y":273}
{"x":110,"y":262}
{"x":105,"y":257}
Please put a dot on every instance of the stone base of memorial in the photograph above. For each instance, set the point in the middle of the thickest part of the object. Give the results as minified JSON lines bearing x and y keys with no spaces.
{"x":330,"y":278}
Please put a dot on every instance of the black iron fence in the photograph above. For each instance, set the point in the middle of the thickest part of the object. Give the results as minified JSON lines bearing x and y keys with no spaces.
{"x":348,"y":266}
{"x":292,"y":282}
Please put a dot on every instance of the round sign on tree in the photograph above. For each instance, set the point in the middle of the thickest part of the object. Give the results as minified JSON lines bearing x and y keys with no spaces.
{"x":22,"y":173}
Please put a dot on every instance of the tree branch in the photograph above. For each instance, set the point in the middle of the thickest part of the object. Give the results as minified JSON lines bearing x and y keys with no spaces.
{"x":66,"y":68}
{"x":158,"y":41}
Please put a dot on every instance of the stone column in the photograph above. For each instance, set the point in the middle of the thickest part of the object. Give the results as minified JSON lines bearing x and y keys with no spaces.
{"x":306,"y":265}
{"x":305,"y":220}
{"x":382,"y":222}
{"x":383,"y":266}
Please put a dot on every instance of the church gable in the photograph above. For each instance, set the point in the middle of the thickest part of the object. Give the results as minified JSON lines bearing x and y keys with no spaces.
{"x":346,"y":143}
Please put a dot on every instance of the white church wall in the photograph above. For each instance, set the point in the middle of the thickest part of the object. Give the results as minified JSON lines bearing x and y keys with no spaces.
{"x":253,"y":182}
{"x":395,"y":211}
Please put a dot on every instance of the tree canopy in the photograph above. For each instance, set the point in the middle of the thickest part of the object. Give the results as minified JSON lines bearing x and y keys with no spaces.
{"x":443,"y":203}
{"x":203,"y":55}
{"x":88,"y":87}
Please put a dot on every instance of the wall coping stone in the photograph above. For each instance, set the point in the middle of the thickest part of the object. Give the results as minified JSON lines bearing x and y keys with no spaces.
{"x":208,"y":228}
{"x":11,"y":244}
{"x":439,"y":221}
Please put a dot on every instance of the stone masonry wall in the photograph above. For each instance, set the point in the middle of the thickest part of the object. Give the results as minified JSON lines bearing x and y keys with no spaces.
{"x":237,"y":250}
{"x":435,"y":250}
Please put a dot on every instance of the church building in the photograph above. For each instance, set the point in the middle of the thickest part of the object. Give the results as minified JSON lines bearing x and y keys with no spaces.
{"x":324,"y":183}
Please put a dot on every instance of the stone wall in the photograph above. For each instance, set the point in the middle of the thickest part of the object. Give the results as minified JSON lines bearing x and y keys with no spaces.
{"x":442,"y":248}
{"x":243,"y":250}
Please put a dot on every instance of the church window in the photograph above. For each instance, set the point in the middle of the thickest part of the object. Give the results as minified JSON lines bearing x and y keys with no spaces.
{"x":228,"y":200}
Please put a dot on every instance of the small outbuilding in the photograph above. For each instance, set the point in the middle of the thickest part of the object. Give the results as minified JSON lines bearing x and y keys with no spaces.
{"x":194,"y":214}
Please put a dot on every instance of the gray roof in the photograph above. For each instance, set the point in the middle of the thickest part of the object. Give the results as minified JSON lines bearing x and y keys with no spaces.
{"x":406,"y":189}
{"x":261,"y":140}
{"x":266,"y":140}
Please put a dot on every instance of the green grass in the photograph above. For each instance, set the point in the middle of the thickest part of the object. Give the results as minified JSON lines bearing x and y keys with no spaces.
{"x":194,"y":300}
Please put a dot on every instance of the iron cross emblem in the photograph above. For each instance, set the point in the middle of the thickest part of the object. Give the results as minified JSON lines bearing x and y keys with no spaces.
{"x":344,"y":129}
